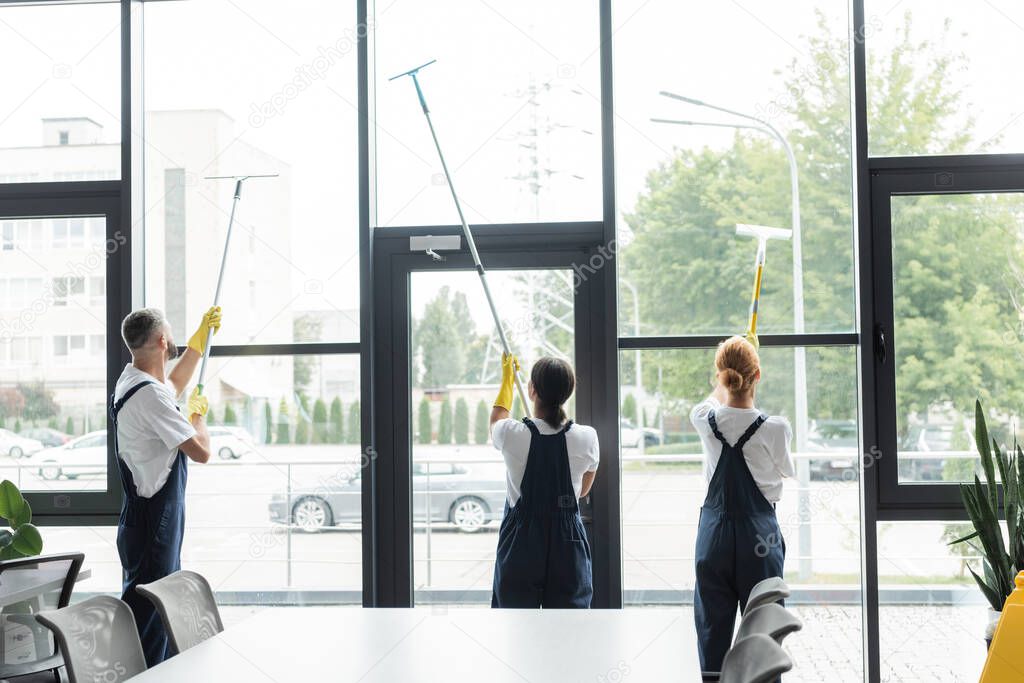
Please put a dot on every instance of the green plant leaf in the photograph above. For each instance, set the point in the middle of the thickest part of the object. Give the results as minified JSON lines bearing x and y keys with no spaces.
{"x":23,"y":517}
{"x":11,"y":501}
{"x":989,"y":593}
{"x":964,"y":539}
{"x":27,"y":540}
{"x":9,"y":553}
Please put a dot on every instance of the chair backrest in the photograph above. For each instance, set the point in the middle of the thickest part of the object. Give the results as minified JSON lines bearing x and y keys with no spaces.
{"x":186,"y":604}
{"x":773,"y":620}
{"x":98,"y":639}
{"x":755,"y":659}
{"x":765,"y":592}
{"x":59,"y":570}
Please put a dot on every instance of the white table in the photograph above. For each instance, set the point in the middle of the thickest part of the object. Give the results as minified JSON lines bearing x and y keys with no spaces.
{"x":282,"y":645}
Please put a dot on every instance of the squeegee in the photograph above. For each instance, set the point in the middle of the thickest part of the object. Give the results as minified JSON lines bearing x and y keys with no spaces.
{"x":412,"y":73}
{"x":763,"y":233}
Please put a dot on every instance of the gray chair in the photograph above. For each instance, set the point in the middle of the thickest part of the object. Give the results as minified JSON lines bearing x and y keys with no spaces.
{"x":773,"y":620}
{"x":186,"y":606}
{"x":755,"y":659}
{"x":98,"y":639}
{"x":28,"y":586}
{"x":770,"y":590}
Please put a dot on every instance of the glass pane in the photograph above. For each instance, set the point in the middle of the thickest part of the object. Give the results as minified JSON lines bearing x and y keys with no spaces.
{"x":956,"y":279}
{"x":932,"y":615}
{"x":819,"y":513}
{"x":53,"y":392}
{"x":683,"y":189}
{"x":515,"y":97}
{"x":456,"y":362}
{"x":937,"y":77}
{"x":61,"y":114}
{"x":287,"y":441}
{"x":278,"y":508}
{"x":262,"y":89}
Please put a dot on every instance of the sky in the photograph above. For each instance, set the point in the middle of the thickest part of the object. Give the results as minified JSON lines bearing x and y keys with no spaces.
{"x":514,"y":92}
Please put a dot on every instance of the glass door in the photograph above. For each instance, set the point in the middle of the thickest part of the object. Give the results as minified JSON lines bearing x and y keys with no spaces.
{"x":458,"y":478}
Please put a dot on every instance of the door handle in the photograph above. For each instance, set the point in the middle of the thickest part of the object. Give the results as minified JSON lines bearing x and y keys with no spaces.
{"x":880,"y":350}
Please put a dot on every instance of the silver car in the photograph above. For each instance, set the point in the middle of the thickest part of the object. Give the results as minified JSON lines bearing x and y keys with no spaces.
{"x":457,"y":495}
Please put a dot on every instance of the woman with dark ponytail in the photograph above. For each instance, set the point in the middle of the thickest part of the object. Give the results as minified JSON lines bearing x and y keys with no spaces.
{"x":543,"y":555}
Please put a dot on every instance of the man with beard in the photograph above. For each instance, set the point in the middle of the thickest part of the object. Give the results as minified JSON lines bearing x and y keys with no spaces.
{"x":153,"y":441}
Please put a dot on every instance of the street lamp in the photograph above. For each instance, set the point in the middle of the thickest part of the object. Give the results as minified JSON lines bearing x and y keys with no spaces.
{"x":799,"y":353}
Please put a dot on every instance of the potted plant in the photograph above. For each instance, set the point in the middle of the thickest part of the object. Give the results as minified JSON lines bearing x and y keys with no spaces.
{"x":22,"y":539}
{"x":1001,"y":558}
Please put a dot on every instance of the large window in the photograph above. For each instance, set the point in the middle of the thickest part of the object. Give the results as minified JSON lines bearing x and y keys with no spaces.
{"x":60,"y":116}
{"x":937,"y":74}
{"x":262,"y":89}
{"x":683,"y":187}
{"x":52,"y":360}
{"x":515,"y":96}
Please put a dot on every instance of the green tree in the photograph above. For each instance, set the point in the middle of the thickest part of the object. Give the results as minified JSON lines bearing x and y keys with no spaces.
{"x":305,"y":328}
{"x":696,"y":197}
{"x":517,"y":409}
{"x":337,"y":431}
{"x":17,"y":426}
{"x":69,"y":426}
{"x":354,"y":427}
{"x":444,"y":428}
{"x":425,"y":426}
{"x":320,"y":424}
{"x":268,"y":422}
{"x":481,"y":428}
{"x":230,"y":417}
{"x":302,"y":431}
{"x":283,"y":423}
{"x":629,"y":409}
{"x":460,"y":425}
{"x":211,"y":416}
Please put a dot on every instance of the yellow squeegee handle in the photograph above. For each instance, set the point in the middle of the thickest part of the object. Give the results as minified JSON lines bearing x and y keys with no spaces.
{"x":756,"y":296}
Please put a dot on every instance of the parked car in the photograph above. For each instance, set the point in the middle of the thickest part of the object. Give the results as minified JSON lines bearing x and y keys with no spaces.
{"x":458,"y":496}
{"x":17,"y":446}
{"x":230,"y":443}
{"x":932,"y":438}
{"x":47,"y":436}
{"x":85,"y":455}
{"x":629,"y":435}
{"x":839,"y":440}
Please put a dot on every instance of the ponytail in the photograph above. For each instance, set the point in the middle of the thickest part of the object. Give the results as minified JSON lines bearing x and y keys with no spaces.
{"x":553,"y":381}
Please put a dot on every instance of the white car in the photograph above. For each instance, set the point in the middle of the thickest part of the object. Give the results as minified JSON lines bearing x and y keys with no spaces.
{"x":88,"y":454}
{"x":85,"y":455}
{"x":230,"y":443}
{"x":17,"y":446}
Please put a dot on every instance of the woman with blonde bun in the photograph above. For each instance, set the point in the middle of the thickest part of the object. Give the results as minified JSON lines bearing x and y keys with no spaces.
{"x":746,"y":456}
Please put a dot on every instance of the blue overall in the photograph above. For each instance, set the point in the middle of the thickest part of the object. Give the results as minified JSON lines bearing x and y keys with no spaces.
{"x":149,"y":536}
{"x":738,"y":544}
{"x":543,"y":554}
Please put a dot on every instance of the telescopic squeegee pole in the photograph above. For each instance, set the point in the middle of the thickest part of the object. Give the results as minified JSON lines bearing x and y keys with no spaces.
{"x":224,"y":258}
{"x":412,"y":73}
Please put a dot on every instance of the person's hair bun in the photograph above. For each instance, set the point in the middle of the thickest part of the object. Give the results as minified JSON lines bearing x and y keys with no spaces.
{"x":730,"y":379}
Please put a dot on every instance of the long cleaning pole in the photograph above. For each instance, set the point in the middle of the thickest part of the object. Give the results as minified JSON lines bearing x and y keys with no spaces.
{"x":756,"y":298}
{"x":465,"y":229}
{"x":224,"y":259}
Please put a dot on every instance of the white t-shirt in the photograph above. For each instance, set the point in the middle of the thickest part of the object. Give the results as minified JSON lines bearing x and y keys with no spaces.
{"x":512,"y":438}
{"x":766,"y":453}
{"x":149,"y":429}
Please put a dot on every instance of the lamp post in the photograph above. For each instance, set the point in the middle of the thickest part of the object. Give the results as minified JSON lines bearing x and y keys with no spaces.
{"x":639,"y":378}
{"x":799,"y":353}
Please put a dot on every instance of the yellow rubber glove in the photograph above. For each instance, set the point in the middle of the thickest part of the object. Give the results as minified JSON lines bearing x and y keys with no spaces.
{"x":211,"y":321}
{"x":509,"y":368}
{"x":197,"y":404}
{"x":752,"y":338}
